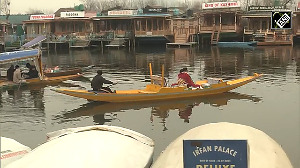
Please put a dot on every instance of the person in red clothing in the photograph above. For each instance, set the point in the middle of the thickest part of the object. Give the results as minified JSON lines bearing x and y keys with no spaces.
{"x":186,"y":78}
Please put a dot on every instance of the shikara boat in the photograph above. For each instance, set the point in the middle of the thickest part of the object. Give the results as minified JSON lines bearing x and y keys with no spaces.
{"x":25,"y":55}
{"x":91,"y":147}
{"x":158,"y":90}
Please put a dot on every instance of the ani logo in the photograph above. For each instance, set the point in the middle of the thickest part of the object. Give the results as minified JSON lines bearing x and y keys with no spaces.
{"x":281,"y":20}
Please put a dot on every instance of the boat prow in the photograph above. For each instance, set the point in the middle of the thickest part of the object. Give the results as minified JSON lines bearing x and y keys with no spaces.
{"x":157,"y":92}
{"x":92,"y":147}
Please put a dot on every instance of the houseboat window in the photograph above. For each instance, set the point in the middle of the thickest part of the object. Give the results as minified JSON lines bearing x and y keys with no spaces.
{"x":264,"y":25}
{"x":149,"y":24}
{"x":138,"y":25}
{"x":101,"y":25}
{"x":228,"y":19}
{"x":182,"y":24}
{"x":208,"y":20}
{"x":143,"y":25}
{"x":160,"y":24}
{"x":154,"y":24}
{"x":62,"y":26}
{"x":79,"y":26}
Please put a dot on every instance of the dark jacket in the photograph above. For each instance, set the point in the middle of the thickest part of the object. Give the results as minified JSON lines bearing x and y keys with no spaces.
{"x":10,"y":74}
{"x":98,"y":81}
{"x":33,"y":73}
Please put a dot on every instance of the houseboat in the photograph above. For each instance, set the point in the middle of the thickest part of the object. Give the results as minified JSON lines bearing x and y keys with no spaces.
{"x":220,"y":21}
{"x":296,"y":24}
{"x":259,"y":28}
{"x":133,"y":26}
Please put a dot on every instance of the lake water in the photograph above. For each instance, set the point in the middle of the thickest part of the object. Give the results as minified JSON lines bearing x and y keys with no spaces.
{"x":270,"y":104}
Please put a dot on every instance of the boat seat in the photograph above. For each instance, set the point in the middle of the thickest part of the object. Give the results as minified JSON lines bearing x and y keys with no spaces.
{"x":157,"y":80}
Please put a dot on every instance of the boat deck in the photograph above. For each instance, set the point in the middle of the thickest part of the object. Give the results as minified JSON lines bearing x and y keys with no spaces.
{"x":189,"y":44}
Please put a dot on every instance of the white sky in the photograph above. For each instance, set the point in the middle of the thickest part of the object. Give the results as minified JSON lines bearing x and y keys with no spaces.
{"x":23,"y":6}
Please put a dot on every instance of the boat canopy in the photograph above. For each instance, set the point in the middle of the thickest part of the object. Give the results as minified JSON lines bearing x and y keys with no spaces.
{"x":34,"y":42}
{"x":8,"y":57}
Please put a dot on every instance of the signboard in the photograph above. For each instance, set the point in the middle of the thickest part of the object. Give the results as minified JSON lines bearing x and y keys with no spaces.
{"x":41,"y":17}
{"x":155,"y":10}
{"x":214,"y":5}
{"x":215,"y":153}
{"x":281,"y":20}
{"x":122,"y":12}
{"x":298,"y":6}
{"x":264,"y":8}
{"x":72,"y":14}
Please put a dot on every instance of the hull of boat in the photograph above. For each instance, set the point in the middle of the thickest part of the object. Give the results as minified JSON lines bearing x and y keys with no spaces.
{"x":155,"y":92}
{"x":92,"y":147}
{"x":263,"y":151}
{"x":237,"y":44}
{"x":7,"y":85}
{"x":11,"y":150}
{"x":63,"y":73}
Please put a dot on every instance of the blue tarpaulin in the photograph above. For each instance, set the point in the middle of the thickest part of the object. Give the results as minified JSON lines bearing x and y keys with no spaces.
{"x":18,"y":55}
{"x":34,"y":42}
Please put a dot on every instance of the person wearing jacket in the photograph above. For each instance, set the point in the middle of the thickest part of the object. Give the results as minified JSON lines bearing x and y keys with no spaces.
{"x":98,"y":81}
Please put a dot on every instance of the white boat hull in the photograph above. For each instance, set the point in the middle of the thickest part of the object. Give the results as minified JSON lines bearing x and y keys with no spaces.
{"x":92,"y":147}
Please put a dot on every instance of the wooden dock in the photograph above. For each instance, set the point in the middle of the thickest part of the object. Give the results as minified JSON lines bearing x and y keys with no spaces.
{"x":179,"y":45}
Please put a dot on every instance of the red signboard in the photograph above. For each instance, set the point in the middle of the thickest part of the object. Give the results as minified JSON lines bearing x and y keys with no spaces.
{"x":41,"y":17}
{"x":213,"y":5}
{"x":298,"y":5}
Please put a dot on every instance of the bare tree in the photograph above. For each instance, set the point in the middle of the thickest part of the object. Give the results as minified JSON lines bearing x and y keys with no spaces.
{"x":91,"y":5}
{"x":34,"y":11}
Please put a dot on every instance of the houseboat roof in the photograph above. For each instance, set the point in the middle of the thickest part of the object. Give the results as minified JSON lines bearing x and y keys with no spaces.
{"x":132,"y":16}
{"x":15,"y":19}
{"x":257,"y":15}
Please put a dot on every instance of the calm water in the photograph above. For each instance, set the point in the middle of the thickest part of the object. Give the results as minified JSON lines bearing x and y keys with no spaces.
{"x":270,"y":103}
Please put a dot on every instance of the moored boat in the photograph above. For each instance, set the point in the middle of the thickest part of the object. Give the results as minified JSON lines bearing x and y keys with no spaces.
{"x":25,"y":55}
{"x":237,"y":44}
{"x":154,"y":91}
{"x":261,"y":150}
{"x":91,"y":146}
{"x":11,"y":150}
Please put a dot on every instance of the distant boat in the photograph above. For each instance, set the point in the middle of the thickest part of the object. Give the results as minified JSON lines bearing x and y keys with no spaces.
{"x":91,"y":147}
{"x":237,"y":44}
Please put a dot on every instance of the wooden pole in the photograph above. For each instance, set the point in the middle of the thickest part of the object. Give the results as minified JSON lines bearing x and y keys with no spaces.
{"x":162,"y":75}
{"x":150,"y":73}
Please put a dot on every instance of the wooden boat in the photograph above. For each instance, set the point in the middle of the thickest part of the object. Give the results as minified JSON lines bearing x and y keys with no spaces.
{"x":11,"y":150}
{"x":237,"y":44}
{"x":34,"y":55}
{"x":52,"y":72}
{"x":263,"y":151}
{"x":92,"y":147}
{"x":155,"y":91}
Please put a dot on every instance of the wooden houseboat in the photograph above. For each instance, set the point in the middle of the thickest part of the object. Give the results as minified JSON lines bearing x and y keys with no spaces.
{"x":296,"y":24}
{"x":132,"y":25}
{"x":184,"y":29}
{"x":219,"y":21}
{"x":66,"y":25}
{"x":259,"y":29}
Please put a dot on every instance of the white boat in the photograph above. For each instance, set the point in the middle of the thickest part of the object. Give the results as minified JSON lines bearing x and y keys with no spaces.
{"x":11,"y":150}
{"x":263,"y":151}
{"x":91,"y":147}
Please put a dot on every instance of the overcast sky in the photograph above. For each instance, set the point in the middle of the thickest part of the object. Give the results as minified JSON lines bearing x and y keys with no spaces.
{"x":22,"y":6}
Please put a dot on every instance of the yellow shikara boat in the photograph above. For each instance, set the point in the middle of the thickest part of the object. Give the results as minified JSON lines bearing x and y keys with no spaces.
{"x":158,"y":90}
{"x":25,"y":55}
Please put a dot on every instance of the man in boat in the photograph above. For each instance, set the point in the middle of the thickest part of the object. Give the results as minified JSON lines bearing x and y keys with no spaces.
{"x":32,"y":73}
{"x":185,"y":78}
{"x":10,"y":73}
{"x":17,"y":78}
{"x":98,"y":81}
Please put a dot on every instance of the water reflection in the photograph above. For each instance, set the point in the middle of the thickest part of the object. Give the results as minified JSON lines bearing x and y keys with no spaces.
{"x":105,"y":112}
